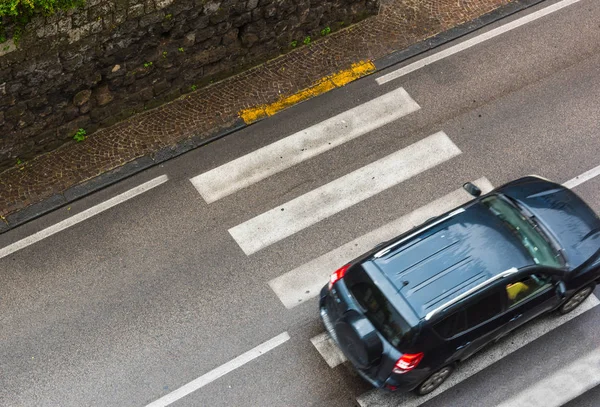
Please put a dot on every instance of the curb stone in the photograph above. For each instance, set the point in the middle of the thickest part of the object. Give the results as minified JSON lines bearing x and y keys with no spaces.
{"x":140,"y":164}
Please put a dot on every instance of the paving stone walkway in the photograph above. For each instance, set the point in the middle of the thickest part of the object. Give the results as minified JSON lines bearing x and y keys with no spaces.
{"x":203,"y":113}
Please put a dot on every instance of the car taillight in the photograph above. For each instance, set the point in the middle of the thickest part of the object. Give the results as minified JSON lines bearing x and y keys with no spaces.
{"x":408,"y":362}
{"x":339,"y":273}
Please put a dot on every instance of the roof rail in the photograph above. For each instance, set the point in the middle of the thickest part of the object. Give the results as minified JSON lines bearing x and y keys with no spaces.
{"x":467,"y":293}
{"x":387,"y":249}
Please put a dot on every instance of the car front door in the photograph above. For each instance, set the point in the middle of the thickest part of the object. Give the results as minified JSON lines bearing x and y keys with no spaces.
{"x":528,"y":296}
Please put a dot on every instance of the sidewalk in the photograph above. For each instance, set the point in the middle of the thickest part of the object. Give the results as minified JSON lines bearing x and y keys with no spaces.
{"x":398,"y":32}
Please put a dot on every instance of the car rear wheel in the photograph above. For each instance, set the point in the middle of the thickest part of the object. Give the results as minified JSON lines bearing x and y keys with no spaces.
{"x":434,"y":381}
{"x":576,"y":299}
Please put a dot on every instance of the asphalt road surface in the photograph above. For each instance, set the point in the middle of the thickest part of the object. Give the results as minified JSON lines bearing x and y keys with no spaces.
{"x":185,"y":287}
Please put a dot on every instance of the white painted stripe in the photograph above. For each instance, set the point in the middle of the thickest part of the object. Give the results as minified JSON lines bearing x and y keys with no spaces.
{"x":88,"y":213}
{"x":328,"y":349}
{"x":474,"y":41}
{"x":220,"y":371}
{"x":262,"y":163}
{"x":305,"y":282}
{"x":318,"y":204}
{"x":480,"y":361}
{"x":562,"y":386}
{"x":580,"y":179}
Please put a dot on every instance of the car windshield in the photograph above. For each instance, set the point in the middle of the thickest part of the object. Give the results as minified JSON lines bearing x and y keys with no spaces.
{"x":538,"y":246}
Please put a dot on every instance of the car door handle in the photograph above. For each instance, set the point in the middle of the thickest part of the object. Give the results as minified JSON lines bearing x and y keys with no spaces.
{"x":516,"y":317}
{"x":464,"y":345}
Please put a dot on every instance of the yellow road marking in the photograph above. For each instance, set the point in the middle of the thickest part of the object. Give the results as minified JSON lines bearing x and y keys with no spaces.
{"x":323,"y":85}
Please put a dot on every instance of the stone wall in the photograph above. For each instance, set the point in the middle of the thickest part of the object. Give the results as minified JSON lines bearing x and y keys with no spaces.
{"x":91,"y":67}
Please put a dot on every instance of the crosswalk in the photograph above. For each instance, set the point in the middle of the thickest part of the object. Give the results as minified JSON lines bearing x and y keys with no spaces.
{"x":281,"y":155}
{"x":304,"y":282}
{"x":329,"y":199}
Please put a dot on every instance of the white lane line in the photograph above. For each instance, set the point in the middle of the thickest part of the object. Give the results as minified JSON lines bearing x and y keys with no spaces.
{"x":88,"y":213}
{"x":305,"y":282}
{"x":220,"y":371}
{"x":328,"y":349}
{"x":480,"y":361}
{"x":562,"y":386}
{"x":262,"y":163}
{"x":318,"y":204}
{"x":474,"y":41}
{"x":580,"y":179}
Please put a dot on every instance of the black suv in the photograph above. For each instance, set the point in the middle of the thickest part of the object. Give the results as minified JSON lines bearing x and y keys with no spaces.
{"x":406,"y":313}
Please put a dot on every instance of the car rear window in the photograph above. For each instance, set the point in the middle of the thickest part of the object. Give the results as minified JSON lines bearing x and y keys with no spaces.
{"x":376,"y":307}
{"x":452,"y":325}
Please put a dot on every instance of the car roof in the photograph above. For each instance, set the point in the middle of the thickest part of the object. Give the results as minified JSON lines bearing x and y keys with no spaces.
{"x":449,"y":257}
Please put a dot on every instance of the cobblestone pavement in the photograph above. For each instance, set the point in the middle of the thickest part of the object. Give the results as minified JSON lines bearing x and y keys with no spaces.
{"x":399,"y":24}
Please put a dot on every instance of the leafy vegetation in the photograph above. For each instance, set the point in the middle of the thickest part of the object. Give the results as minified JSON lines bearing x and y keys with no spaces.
{"x":21,"y":11}
{"x":80,"y":135}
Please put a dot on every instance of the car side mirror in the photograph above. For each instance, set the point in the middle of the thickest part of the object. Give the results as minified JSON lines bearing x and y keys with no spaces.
{"x":472,"y":189}
{"x":561,"y":289}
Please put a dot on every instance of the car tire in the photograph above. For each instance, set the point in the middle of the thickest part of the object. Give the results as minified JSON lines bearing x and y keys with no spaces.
{"x":434,"y":380}
{"x":576,"y":299}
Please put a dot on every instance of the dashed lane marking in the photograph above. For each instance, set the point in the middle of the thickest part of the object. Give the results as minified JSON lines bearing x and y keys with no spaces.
{"x":220,"y":371}
{"x":80,"y":217}
{"x":473,"y":41}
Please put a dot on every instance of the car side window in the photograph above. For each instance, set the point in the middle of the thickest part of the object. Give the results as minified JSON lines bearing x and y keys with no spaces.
{"x":452,"y":325}
{"x":525,"y":288}
{"x":484,"y":308}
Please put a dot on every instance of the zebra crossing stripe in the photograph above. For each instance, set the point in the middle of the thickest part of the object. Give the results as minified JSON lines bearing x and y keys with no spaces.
{"x":276,"y":157}
{"x":342,"y":193}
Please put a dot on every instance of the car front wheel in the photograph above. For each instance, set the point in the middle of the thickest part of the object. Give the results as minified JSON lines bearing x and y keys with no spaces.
{"x":576,"y":299}
{"x":434,"y":381}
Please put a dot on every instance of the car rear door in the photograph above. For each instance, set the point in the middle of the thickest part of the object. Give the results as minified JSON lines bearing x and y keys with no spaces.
{"x":475,"y":324}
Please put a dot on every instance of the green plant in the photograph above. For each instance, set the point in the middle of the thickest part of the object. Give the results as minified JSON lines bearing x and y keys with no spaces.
{"x":80,"y":135}
{"x":164,"y":54}
{"x":294,"y":44}
{"x":180,"y":49}
{"x":306,"y":40}
{"x":193,"y":87}
{"x":168,"y":16}
{"x":17,"y":33}
{"x":19,"y":161}
{"x":325,"y":31}
{"x":147,"y":64}
{"x":20,"y":12}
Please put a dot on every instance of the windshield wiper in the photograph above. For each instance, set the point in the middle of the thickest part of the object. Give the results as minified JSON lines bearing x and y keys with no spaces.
{"x":538,"y":226}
